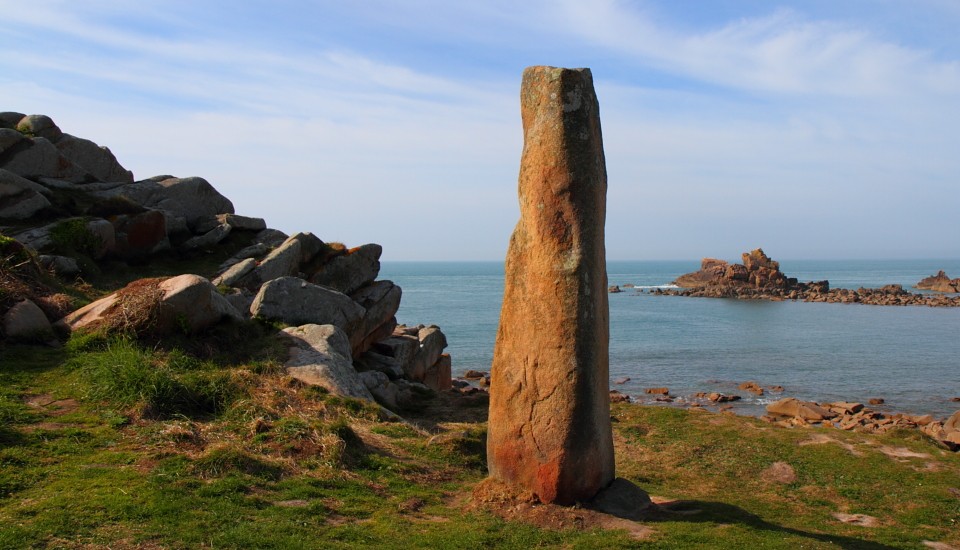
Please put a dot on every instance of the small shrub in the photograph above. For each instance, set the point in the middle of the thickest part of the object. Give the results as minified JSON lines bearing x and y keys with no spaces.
{"x":220,"y":461}
{"x":72,"y":237}
{"x":164,"y":386}
{"x":84,"y":341}
{"x":115,"y":206}
{"x":347,"y":447}
{"x":12,"y":411}
{"x":25,"y":130}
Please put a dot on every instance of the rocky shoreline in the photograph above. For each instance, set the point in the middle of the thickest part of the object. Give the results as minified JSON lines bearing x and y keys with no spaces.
{"x":790,"y":412}
{"x":889,"y":295}
{"x":760,"y":278}
{"x":787,"y":412}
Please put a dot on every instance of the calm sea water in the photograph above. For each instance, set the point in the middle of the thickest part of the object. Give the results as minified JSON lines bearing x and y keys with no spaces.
{"x":910,"y":356}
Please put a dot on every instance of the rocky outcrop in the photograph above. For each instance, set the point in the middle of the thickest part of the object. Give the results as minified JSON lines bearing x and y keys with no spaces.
{"x":285,"y":260}
{"x":757,"y":271}
{"x":549,"y":423}
{"x":42,"y":150}
{"x":90,"y":213}
{"x":939,"y":283}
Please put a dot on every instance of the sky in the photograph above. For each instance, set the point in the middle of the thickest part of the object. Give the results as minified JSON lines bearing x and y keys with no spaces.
{"x":814,"y":129}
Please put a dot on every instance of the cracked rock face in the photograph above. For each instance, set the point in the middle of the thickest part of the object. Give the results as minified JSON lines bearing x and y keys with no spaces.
{"x":549,"y":428}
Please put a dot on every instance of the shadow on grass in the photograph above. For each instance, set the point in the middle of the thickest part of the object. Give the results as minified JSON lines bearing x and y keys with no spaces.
{"x":17,"y":362}
{"x":10,"y":437}
{"x":449,"y":406}
{"x":721,"y":513}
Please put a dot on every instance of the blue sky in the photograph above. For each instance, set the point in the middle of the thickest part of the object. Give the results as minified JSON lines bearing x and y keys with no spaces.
{"x":814,"y":129}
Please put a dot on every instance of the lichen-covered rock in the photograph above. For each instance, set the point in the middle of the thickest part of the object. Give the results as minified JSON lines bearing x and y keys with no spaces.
{"x":192,"y":199}
{"x":235,"y":272}
{"x":381,"y":300}
{"x":40,"y":126}
{"x":296,"y":302}
{"x":432,"y":343}
{"x":402,"y":347}
{"x":270,"y":237}
{"x":23,"y":205}
{"x":39,"y":158}
{"x":384,"y":391}
{"x":25,"y":322}
{"x":139,"y":235}
{"x":241,"y":223}
{"x":283,"y":261}
{"x":186,"y":303}
{"x":940,"y":283}
{"x":105,"y":234}
{"x":10,"y":119}
{"x":63,"y":266}
{"x":320,"y":356}
{"x":9,"y":138}
{"x":549,"y":427}
{"x":350,"y":271}
{"x":371,"y":360}
{"x":439,"y":375}
{"x":792,"y":407}
{"x":209,"y":239}
{"x":96,"y":160}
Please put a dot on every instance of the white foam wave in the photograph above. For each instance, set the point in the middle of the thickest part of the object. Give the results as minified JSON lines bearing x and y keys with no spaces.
{"x":651,"y":287}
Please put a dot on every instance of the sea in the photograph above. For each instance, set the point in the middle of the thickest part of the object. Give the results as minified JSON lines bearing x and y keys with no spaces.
{"x":909,"y":356}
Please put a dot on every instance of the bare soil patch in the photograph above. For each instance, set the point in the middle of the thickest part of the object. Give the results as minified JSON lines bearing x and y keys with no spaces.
{"x":508,"y":504}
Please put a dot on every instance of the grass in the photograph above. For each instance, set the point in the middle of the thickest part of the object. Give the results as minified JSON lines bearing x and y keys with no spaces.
{"x":113,"y":442}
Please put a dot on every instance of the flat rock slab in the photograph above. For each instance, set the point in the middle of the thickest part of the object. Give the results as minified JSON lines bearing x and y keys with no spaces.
{"x":862,"y":520}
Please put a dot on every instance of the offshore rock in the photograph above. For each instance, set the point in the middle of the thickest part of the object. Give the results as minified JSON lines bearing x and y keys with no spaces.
{"x":757,"y":271}
{"x":939,"y":283}
{"x":550,"y":430}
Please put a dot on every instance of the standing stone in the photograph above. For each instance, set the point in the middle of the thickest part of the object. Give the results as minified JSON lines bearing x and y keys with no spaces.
{"x":549,"y":428}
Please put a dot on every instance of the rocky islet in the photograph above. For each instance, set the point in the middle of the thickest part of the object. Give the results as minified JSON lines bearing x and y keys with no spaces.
{"x":760,"y":278}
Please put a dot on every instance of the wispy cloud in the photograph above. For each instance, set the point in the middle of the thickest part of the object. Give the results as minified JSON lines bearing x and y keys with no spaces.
{"x":780,"y":52}
{"x":399,"y":123}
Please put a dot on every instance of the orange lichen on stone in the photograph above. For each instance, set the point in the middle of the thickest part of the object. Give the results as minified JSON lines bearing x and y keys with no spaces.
{"x":549,"y":423}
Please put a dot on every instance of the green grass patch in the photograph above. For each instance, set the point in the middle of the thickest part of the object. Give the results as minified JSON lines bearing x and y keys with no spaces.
{"x":164,"y":385}
{"x":243,"y":457}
